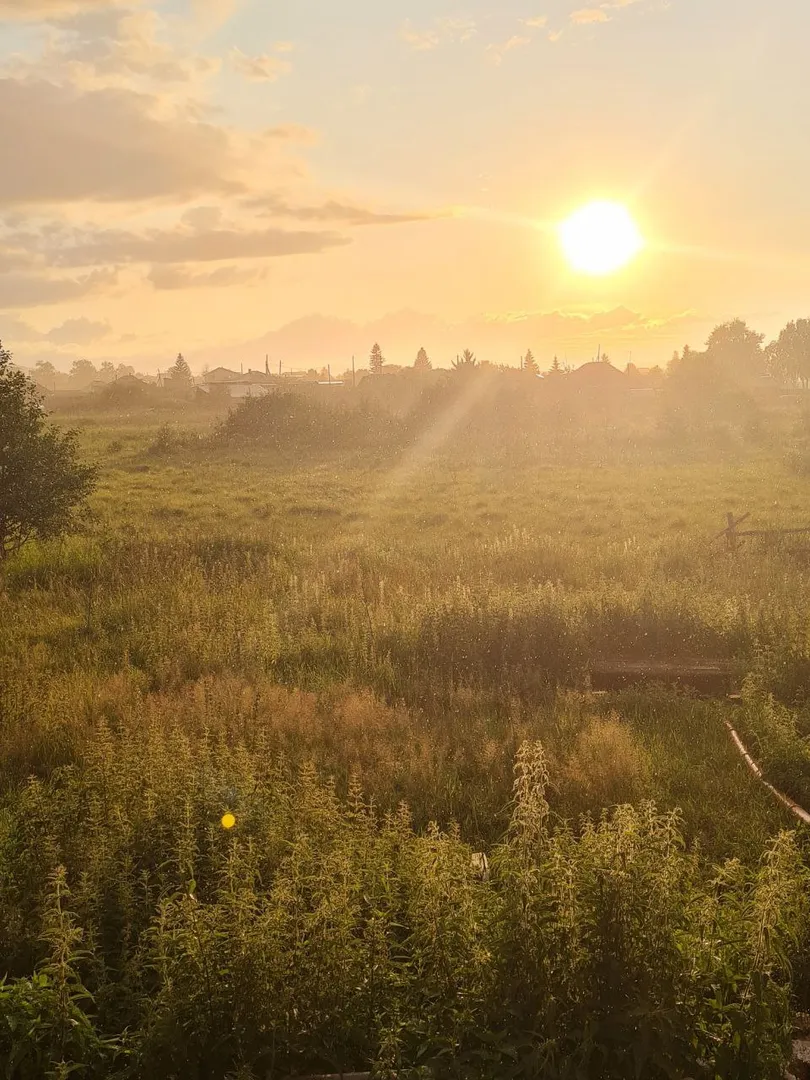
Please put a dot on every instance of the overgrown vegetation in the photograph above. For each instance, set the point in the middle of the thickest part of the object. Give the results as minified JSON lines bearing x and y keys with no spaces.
{"x":377,"y":662}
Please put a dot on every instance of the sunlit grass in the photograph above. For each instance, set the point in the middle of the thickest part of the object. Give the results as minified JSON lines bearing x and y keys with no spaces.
{"x":241,"y":656}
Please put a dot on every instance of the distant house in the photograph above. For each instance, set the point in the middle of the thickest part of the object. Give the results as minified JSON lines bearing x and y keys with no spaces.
{"x":236,"y":384}
{"x":597,"y":377}
{"x":219,"y":376}
{"x":129,"y":382}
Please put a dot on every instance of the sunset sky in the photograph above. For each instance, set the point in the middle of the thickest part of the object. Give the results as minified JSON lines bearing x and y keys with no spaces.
{"x":235,"y":177}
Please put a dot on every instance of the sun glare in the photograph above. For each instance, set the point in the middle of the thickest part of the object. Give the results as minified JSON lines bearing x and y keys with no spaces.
{"x":600,"y":238}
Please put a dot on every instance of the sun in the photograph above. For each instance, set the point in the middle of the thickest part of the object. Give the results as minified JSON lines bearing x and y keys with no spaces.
{"x":600,"y":238}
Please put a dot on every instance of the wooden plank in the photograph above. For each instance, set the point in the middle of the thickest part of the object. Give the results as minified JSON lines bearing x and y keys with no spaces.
{"x":708,"y":677}
{"x":660,"y":667}
{"x":773,"y":532}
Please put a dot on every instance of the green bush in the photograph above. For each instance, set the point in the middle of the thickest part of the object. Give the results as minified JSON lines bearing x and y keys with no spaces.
{"x":319,"y":935}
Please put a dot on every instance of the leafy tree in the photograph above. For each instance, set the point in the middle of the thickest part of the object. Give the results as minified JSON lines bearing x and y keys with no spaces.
{"x":465,"y":362}
{"x":789,"y":356}
{"x":736,"y":351}
{"x":530,"y":365}
{"x":422,"y":361}
{"x":45,"y":371}
{"x":107,"y":371}
{"x":42,"y":481}
{"x":376,"y":360}
{"x":83,"y":372}
{"x":180,"y":372}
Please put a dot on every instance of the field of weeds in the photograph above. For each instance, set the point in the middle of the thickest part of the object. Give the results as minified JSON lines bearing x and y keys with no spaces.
{"x":378,"y":665}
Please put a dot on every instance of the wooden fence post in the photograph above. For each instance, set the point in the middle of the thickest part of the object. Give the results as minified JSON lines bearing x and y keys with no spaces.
{"x":731,"y":533}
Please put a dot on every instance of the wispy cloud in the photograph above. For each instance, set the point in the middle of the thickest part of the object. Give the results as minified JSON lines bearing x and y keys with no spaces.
{"x":600,"y":13}
{"x":263,"y":68}
{"x":33,"y":10}
{"x":167,"y":278}
{"x":442,"y":31}
{"x":537,"y":22}
{"x":586,"y":16}
{"x":81,"y":331}
{"x":497,"y":51}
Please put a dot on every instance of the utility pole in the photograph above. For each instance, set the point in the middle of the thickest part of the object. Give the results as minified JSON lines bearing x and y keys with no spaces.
{"x":329,"y":373}
{"x":354,"y":383}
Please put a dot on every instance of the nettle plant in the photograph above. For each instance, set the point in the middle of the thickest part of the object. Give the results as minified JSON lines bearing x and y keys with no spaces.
{"x":318,"y":934}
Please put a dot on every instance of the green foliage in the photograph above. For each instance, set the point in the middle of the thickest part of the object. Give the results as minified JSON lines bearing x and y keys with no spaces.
{"x":295,"y":422}
{"x":312,"y":643}
{"x":43,"y":482}
{"x":465,"y":362}
{"x":45,"y":1026}
{"x":530,"y":365}
{"x":180,"y":372}
{"x":376,"y":360}
{"x":789,"y":356}
{"x":322,"y":935}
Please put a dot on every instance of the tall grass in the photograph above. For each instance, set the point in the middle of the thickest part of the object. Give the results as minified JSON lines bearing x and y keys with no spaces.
{"x":350,"y":655}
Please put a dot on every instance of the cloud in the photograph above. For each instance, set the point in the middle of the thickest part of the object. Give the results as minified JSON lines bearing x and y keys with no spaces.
{"x":33,"y":10}
{"x":497,"y":52}
{"x":586,"y":16}
{"x":13,"y":330}
{"x":185,"y":245}
{"x":181,"y":277}
{"x":64,"y":144}
{"x":443,"y":31}
{"x":263,"y":68}
{"x":108,"y":46}
{"x":421,"y":40}
{"x":79,"y":331}
{"x":29,"y":290}
{"x":275,"y":205}
{"x":538,"y":22}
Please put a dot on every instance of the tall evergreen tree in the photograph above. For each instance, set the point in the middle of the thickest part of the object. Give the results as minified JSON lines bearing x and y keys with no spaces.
{"x":530,"y":365}
{"x":465,"y":362}
{"x":180,"y":371}
{"x":376,"y":360}
{"x":422,"y":361}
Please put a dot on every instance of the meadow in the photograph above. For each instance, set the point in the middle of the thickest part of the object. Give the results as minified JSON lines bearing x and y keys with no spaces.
{"x":377,"y":662}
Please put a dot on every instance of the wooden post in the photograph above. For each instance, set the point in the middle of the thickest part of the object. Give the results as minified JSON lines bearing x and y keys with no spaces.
{"x":731,"y":534}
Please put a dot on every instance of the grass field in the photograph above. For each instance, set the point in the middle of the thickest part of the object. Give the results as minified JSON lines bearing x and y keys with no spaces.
{"x":311,"y":645}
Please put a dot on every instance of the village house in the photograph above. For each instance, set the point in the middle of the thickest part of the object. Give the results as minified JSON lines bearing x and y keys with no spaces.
{"x":236,"y":384}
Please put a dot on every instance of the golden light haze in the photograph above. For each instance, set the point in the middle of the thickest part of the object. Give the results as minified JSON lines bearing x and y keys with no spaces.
{"x":229,"y":180}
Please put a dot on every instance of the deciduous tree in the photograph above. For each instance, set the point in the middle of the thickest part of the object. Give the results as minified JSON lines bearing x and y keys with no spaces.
{"x":43,"y":482}
{"x":789,"y":356}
